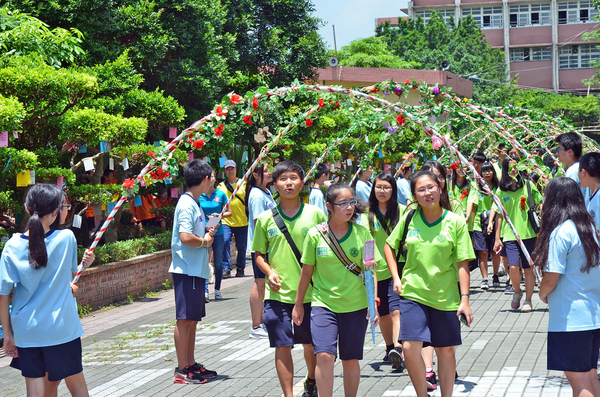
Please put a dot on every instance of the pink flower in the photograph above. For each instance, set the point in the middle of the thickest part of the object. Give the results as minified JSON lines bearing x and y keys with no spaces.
{"x":436,"y":142}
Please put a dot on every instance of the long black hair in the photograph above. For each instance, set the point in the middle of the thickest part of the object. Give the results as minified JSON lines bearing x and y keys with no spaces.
{"x":444,"y":198}
{"x":506,"y":181}
{"x":436,"y":180}
{"x":42,"y":199}
{"x":487,"y":166}
{"x":252,"y":181}
{"x":563,"y":201}
{"x":454,"y":177}
{"x":331,"y":197}
{"x":392,"y":212}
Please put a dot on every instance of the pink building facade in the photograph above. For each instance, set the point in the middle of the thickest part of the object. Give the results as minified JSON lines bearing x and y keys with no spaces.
{"x":542,"y":41}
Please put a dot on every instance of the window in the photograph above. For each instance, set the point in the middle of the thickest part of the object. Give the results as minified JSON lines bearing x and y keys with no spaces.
{"x":447,"y":13}
{"x":576,"y":11}
{"x":577,"y":56}
{"x":485,"y":16}
{"x":530,"y":54}
{"x":530,"y":14}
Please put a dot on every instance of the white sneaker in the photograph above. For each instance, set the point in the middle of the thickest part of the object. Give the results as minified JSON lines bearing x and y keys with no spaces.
{"x":206,"y":300}
{"x":218,"y":295}
{"x":260,"y":332}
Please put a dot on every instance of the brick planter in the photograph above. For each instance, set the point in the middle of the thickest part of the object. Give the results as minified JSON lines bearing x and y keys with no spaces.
{"x":110,"y":283}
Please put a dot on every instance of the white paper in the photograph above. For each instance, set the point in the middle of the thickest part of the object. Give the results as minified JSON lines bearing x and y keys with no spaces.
{"x":349,"y":162}
{"x":88,"y":164}
{"x":213,"y":221}
{"x":77,"y":221}
{"x":398,"y":165}
{"x":111,"y":164}
{"x":32,"y":174}
{"x":125,"y":164}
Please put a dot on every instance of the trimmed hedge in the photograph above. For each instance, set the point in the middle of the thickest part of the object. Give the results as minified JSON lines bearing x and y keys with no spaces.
{"x":127,"y":249}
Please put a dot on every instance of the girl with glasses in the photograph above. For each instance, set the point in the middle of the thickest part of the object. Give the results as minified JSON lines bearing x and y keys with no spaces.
{"x":438,"y":249}
{"x":332,"y":258}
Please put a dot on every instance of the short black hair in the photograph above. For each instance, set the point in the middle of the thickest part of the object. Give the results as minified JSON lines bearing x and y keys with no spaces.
{"x":322,"y":169}
{"x":287,"y":166}
{"x":501,"y":146}
{"x":195,"y":171}
{"x":591,"y":163}
{"x":480,"y":157}
{"x":570,"y":141}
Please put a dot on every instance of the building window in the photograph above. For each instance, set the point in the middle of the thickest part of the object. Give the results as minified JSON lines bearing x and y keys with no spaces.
{"x":577,"y":56}
{"x":576,"y":11}
{"x":530,"y":14}
{"x":447,"y":13}
{"x":487,"y":17}
{"x":530,"y":54}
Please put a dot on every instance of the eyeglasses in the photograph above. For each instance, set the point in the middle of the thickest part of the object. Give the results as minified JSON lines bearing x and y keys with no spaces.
{"x":67,"y":206}
{"x":558,"y":150}
{"x":347,"y":204}
{"x":383,"y":188}
{"x":426,"y":189}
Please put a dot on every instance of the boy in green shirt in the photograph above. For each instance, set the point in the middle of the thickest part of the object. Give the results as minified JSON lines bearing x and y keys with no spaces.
{"x":282,"y":270}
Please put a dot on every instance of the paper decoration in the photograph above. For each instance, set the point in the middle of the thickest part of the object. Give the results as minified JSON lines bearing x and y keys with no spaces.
{"x":259,"y":138}
{"x":190,"y":156}
{"x":352,"y":147}
{"x":16,"y":134}
{"x":337,"y":164}
{"x":367,"y":139}
{"x":23,"y":178}
{"x":103,"y":207}
{"x":156,"y":144}
{"x":84,"y":149}
{"x":125,"y":164}
{"x":103,"y":146}
{"x":172,"y":132}
{"x":349,"y":162}
{"x":435,"y":157}
{"x":174,"y":192}
{"x":380,"y":154}
{"x":398,"y":165}
{"x":351,"y":157}
{"x":222,"y":161}
{"x":88,"y":164}
{"x":137,"y":201}
{"x":4,"y":139}
{"x":97,"y":209}
{"x":32,"y":177}
{"x":386,"y":168}
{"x":167,"y":181}
{"x":111,"y":206}
{"x":77,"y":221}
{"x":142,"y":182}
{"x":111,"y":164}
{"x":59,"y":182}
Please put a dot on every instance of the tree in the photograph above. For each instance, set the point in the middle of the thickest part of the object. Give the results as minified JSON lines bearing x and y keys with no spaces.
{"x":371,"y":52}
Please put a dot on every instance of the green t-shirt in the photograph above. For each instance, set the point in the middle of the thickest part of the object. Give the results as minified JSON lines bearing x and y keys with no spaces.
{"x":511,"y":201}
{"x":430,"y":275}
{"x":380,"y":236}
{"x":485,"y":204}
{"x":456,"y":193}
{"x":268,"y":238}
{"x":498,"y":168}
{"x":335,"y":287}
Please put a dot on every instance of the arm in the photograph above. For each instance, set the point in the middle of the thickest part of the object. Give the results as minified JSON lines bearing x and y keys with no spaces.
{"x":305,"y":277}
{"x":9,"y":342}
{"x":227,"y":213}
{"x":498,"y":243}
{"x":548,"y":284}
{"x":470,"y":206}
{"x":191,"y":240}
{"x":263,"y":265}
{"x":390,"y":258}
{"x":464,"y":280}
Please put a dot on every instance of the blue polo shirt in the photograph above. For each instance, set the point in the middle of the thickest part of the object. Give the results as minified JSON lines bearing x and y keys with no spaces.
{"x":214,"y":205}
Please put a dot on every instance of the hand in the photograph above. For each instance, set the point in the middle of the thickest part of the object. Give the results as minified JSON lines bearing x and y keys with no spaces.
{"x":212,"y":231}
{"x":465,"y":309}
{"x":375,"y":320}
{"x":490,"y":228}
{"x":74,"y":290}
{"x":397,"y":286}
{"x":274,"y":282}
{"x":9,"y":347}
{"x":298,"y":314}
{"x":498,"y":246}
{"x":88,"y":258}
{"x":209,"y":239}
{"x":214,"y":214}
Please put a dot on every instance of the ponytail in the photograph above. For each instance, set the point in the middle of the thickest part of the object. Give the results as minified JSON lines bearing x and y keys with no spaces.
{"x":251,"y":183}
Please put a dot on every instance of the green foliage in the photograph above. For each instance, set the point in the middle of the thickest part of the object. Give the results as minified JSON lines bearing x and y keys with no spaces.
{"x":83,"y":310}
{"x":127,"y":249}
{"x":20,"y":160}
{"x":92,"y":126}
{"x":371,"y":52}
{"x":50,"y":175}
{"x":11,"y":113}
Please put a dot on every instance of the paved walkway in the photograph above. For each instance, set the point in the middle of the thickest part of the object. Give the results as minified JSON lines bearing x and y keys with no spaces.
{"x":128,"y":351}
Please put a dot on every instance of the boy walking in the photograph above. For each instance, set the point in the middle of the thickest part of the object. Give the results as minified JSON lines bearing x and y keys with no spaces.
{"x":275,"y":231}
{"x":316,"y":195}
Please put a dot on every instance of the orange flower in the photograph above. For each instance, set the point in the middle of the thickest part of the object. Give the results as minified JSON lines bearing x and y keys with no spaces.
{"x":129,"y":183}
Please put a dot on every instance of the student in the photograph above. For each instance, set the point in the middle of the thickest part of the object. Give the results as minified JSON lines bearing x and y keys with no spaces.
{"x":484,"y":245}
{"x":258,"y":200}
{"x":140,"y":215}
{"x":362,"y":184}
{"x":501,"y":152}
{"x":589,"y":175}
{"x":237,"y":224}
{"x":567,"y":250}
{"x":384,"y":212}
{"x":283,"y":273}
{"x":339,"y":297}
{"x":43,"y":332}
{"x":189,"y":267}
{"x":403,"y":184}
{"x":465,"y":191}
{"x":316,"y":195}
{"x":513,"y":194}
{"x":212,"y":203}
{"x":438,"y":251}
{"x":569,"y":151}
{"x":162,"y":200}
{"x":477,"y":161}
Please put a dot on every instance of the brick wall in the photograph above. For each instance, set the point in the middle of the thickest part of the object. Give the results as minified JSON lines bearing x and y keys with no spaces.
{"x":110,"y":283}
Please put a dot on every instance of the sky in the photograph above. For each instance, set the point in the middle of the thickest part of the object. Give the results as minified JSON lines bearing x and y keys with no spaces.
{"x":353,"y":19}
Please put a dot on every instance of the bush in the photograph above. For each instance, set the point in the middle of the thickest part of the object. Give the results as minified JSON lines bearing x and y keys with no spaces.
{"x":127,"y":249}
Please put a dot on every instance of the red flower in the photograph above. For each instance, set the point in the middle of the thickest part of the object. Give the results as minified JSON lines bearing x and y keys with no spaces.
{"x":219,"y":130}
{"x":523,"y":201}
{"x":219,"y":111}
{"x":248,"y":120}
{"x":128,"y":183}
{"x":454,"y":166}
{"x":373,"y":90}
{"x":255,"y":103}
{"x":401,"y":120}
{"x":337,"y":104}
{"x":463,"y":195}
{"x":321,"y":103}
{"x":235,"y":98}
{"x":151,"y":153}
{"x":198,"y":144}
{"x":309,"y":123}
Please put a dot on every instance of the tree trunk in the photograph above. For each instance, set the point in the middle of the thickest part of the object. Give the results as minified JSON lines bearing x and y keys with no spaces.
{"x":110,"y":235}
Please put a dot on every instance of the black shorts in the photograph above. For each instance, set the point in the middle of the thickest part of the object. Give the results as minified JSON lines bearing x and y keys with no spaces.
{"x":59,"y":362}
{"x":189,"y":297}
{"x":483,"y":243}
{"x":515,"y":255}
{"x":573,"y":351}
{"x":433,"y":327}
{"x":383,"y":287}
{"x":282,"y":332}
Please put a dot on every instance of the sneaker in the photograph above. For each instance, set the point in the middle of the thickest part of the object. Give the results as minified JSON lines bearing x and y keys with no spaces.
{"x":431,"y":381}
{"x":495,"y":281}
{"x":259,"y":332}
{"x":526,"y":307}
{"x":310,"y":388}
{"x":218,"y":295}
{"x":501,"y":271}
{"x":509,"y":290}
{"x":239,"y":272}
{"x":226,"y":273}
{"x":516,"y":300}
{"x":206,"y":373}
{"x":396,"y":357}
{"x":206,"y":300}
{"x":188,"y":376}
{"x":484,"y":285}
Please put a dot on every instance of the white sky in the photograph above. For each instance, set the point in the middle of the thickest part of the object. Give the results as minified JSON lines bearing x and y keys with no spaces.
{"x":354,"y":19}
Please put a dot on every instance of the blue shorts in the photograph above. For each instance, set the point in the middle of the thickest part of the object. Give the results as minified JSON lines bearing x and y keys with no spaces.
{"x":393,"y":298}
{"x":433,"y":327}
{"x":257,"y":272}
{"x":515,"y":254}
{"x":60,"y":361}
{"x":326,"y":327}
{"x":189,"y":297}
{"x":383,"y":288}
{"x":483,"y":243}
{"x":282,"y":332}
{"x":573,"y":351}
